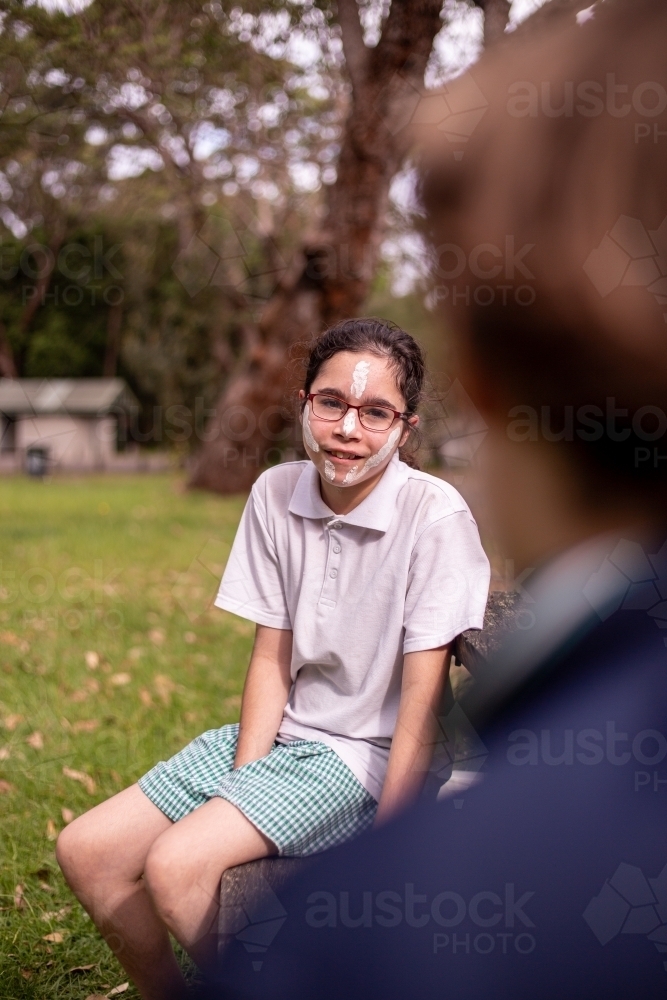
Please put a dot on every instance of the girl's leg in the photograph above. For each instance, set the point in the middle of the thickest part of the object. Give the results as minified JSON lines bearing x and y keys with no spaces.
{"x":184,"y":867}
{"x":103,"y":855}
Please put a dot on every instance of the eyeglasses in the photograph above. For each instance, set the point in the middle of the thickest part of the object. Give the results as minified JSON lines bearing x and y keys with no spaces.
{"x":372,"y":417}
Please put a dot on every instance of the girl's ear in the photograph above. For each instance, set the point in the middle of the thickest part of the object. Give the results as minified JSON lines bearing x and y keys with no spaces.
{"x":411,"y":424}
{"x":302,"y":395}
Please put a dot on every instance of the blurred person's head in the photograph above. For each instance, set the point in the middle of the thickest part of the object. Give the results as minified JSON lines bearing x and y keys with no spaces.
{"x":550,"y":240}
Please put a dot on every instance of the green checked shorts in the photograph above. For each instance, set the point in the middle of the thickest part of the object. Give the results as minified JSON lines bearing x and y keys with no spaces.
{"x":301,"y":795}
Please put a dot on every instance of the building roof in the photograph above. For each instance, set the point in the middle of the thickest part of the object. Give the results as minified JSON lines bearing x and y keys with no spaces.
{"x":93,"y":396}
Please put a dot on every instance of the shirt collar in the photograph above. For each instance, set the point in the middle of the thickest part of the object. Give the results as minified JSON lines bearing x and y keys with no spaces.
{"x":375,"y":512}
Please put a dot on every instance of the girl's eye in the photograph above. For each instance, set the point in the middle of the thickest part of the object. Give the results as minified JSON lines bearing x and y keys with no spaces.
{"x":329,"y":403}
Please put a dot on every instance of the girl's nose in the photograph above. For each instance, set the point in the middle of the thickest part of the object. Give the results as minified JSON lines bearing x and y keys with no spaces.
{"x":349,"y":425}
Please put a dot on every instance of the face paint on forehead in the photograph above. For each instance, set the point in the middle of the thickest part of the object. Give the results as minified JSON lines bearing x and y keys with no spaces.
{"x":307,"y":433}
{"x":360,"y":378}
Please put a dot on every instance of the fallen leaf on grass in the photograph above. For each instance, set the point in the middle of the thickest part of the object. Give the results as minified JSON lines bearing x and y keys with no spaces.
{"x":234,"y":701}
{"x":46,"y":887}
{"x":157,"y":636}
{"x":57,"y":937}
{"x":145,"y":698}
{"x":92,"y":659}
{"x":57,"y":914}
{"x":115,"y":777}
{"x":163,"y":687}
{"x":135,"y":653}
{"x":67,"y":815}
{"x":51,"y":831}
{"x":119,"y":680}
{"x":118,"y":989}
{"x":12,"y":639}
{"x":91,"y":686}
{"x":10,"y":722}
{"x":82,"y":777}
{"x":26,"y":973}
{"x":19,"y":901}
{"x":190,"y":637}
{"x":85,"y":726}
{"x":5,"y":786}
{"x":81,"y":968}
{"x":4,"y":753}
{"x":35,"y":740}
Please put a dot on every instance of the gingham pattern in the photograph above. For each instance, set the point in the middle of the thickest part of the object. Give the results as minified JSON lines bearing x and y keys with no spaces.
{"x":301,"y":795}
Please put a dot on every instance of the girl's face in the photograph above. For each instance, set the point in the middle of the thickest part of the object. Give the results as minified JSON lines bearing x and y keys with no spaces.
{"x":345,"y":452}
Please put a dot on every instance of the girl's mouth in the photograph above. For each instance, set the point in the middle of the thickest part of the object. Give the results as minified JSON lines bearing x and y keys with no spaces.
{"x":344,"y":456}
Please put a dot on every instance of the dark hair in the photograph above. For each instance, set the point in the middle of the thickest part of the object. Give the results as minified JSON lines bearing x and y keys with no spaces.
{"x":377,"y":336}
{"x":381,"y":337}
{"x":576,"y":195}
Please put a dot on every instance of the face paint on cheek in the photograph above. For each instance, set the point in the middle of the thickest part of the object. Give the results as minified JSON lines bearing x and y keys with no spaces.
{"x":308,"y":438}
{"x":359,"y":378}
{"x":374,"y":460}
{"x":349,"y":423}
{"x":329,"y":470}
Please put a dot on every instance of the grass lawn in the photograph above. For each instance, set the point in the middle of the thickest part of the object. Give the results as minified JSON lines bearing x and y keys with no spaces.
{"x":111,"y":658}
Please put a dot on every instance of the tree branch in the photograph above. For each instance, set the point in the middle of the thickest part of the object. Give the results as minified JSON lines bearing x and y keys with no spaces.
{"x":354,"y":47}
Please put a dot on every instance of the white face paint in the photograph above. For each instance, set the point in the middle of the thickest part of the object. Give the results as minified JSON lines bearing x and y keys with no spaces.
{"x":360,"y":378}
{"x":377,"y":459}
{"x":329,"y":470}
{"x":308,"y":438}
{"x":349,"y":422}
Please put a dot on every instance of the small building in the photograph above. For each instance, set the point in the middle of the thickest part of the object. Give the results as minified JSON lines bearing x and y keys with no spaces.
{"x":63,"y":424}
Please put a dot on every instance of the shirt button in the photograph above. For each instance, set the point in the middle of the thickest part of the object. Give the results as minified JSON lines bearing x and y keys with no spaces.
{"x":333,"y":573}
{"x":335,"y":524}
{"x":336,"y":549}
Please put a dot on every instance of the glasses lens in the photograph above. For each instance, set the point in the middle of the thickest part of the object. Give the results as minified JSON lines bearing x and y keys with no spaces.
{"x":328,"y":407}
{"x":376,"y":418}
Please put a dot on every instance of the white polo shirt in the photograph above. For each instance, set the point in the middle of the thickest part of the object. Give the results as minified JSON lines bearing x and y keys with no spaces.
{"x":403,"y":571}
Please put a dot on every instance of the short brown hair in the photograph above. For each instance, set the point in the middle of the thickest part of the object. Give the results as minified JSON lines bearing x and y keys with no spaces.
{"x":577,"y":173}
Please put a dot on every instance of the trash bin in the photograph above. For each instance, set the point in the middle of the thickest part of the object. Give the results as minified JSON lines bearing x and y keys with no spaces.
{"x":37,"y":462}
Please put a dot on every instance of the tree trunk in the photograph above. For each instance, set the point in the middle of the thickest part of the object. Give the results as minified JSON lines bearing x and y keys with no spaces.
{"x":331,"y":276}
{"x":7,"y":364}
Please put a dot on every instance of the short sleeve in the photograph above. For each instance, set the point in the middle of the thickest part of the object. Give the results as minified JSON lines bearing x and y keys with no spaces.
{"x":252,"y":584}
{"x":448,"y":583}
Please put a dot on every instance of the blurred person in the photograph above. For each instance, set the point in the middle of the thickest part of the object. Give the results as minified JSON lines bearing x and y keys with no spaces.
{"x":359,"y":572}
{"x":549,"y":877}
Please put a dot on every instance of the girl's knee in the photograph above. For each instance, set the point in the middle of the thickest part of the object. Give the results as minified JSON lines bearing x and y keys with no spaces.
{"x":161,"y":872}
{"x":75,"y":852}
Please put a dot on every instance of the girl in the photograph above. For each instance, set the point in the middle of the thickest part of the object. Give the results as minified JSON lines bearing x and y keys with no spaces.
{"x":359,"y":573}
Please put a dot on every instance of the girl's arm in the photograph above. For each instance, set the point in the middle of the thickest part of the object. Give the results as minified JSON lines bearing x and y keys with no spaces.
{"x":265,"y":693}
{"x":424,"y":676}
